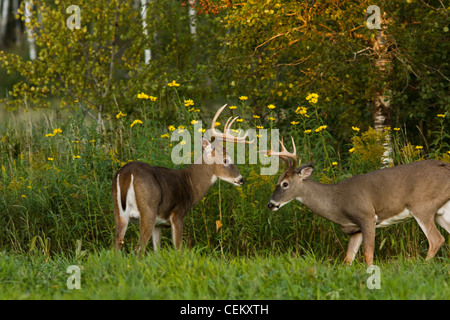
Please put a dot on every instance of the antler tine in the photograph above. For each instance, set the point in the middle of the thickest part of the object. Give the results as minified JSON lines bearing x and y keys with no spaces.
{"x":226,"y":135}
{"x":213,"y":123}
{"x":284,"y":154}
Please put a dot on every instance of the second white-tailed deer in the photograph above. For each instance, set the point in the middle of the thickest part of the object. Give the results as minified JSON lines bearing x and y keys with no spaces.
{"x":419,"y":190}
{"x":161,"y":197}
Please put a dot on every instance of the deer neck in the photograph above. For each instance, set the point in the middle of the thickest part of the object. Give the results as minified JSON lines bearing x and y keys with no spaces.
{"x":320,"y":198}
{"x":201,"y":177}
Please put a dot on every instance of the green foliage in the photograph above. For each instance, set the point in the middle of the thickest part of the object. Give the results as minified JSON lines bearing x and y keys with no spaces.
{"x":368,"y":149}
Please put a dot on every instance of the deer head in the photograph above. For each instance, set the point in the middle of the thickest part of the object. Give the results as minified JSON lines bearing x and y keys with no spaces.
{"x":289,"y":184}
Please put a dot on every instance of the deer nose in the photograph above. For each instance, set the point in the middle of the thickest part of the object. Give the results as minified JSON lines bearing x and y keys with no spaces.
{"x":272,"y":206}
{"x":241,"y":181}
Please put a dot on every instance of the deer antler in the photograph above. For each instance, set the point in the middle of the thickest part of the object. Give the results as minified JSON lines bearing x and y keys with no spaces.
{"x":284,"y":154}
{"x":226,"y":135}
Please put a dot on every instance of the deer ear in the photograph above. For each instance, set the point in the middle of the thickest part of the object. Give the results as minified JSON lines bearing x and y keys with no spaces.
{"x":305,"y":171}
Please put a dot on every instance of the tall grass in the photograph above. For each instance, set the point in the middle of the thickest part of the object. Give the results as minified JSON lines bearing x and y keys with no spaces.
{"x":56,"y":174}
{"x":202,"y":274}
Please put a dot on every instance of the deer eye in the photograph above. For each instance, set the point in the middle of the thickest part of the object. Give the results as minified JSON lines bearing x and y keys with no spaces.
{"x":285,"y":184}
{"x":225,"y":161}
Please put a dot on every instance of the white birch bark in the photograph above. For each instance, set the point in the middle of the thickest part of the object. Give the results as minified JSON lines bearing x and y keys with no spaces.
{"x":147,"y":52}
{"x":4,"y":21}
{"x":382,"y":109}
{"x":30,"y":38}
{"x":192,"y":18}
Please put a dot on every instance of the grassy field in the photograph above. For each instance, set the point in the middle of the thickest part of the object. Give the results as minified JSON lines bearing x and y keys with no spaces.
{"x":56,"y":211}
{"x":195,"y":274}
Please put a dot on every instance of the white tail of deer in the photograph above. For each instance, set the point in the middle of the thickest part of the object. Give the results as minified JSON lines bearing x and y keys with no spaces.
{"x":419,"y":190}
{"x":161,"y":197}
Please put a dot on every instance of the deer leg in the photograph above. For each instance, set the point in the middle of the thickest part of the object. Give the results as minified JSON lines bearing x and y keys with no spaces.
{"x":353,"y":245}
{"x":177,"y":229}
{"x":148,"y":218}
{"x":368,"y":237}
{"x":121,"y":228}
{"x":435,"y":238}
{"x":156,"y":237}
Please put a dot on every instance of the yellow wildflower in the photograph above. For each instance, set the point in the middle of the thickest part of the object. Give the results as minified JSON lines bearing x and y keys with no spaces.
{"x":294,"y":123}
{"x":173,"y":84}
{"x":307,"y":131}
{"x":166,"y":135}
{"x":240,"y":120}
{"x":259,"y":127}
{"x":271,"y":119}
{"x":320,"y":128}
{"x":135,"y":122}
{"x":396,"y":129}
{"x":351,"y":150}
{"x":188,"y":102}
{"x":232,"y":107}
{"x":419,"y":147}
{"x":77,"y":157}
{"x":312,"y":97}
{"x":171,"y":128}
{"x":152,"y":98}
{"x":243,"y":98}
{"x":355,"y":129}
{"x":50,"y":159}
{"x":120,"y":115}
{"x":441,"y":115}
{"x":142,"y":96}
{"x":334,"y":163}
{"x":54,"y":133}
{"x":217,"y":124}
{"x":256,"y":116}
{"x":183,"y":142}
{"x":271,"y":106}
{"x":194,"y":121}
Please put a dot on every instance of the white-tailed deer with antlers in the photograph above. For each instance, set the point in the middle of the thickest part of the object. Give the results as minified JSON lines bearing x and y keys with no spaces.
{"x":161,"y":197}
{"x":362,"y":203}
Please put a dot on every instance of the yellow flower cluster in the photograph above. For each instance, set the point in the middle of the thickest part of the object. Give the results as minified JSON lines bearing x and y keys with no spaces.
{"x":173,"y":84}
{"x":321,"y":128}
{"x":441,"y":115}
{"x":302,"y":111}
{"x":54,"y":133}
{"x":120,"y":115}
{"x":135,"y":122}
{"x":312,"y":97}
{"x":146,"y":97}
{"x":188,"y":102}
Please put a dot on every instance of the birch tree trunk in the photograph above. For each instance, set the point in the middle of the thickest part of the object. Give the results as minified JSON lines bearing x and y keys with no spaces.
{"x":147,"y":52}
{"x":192,"y":18}
{"x":30,"y":38}
{"x":382,"y":109}
{"x":4,"y":22}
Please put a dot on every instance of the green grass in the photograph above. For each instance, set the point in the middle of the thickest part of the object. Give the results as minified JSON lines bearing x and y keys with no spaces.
{"x":195,"y":274}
